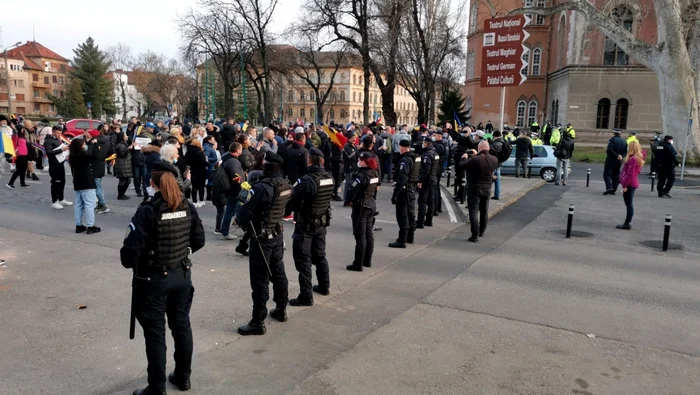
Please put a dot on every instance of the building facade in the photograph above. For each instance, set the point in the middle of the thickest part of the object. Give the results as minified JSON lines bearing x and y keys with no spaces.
{"x":574,"y":73}
{"x":127,"y":99}
{"x":35,"y":73}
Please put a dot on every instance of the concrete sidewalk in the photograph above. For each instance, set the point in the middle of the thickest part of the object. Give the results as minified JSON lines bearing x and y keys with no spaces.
{"x":512,"y":189}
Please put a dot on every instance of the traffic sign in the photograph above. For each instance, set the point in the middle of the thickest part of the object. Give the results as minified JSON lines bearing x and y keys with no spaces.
{"x":502,"y":51}
{"x":89,"y":105}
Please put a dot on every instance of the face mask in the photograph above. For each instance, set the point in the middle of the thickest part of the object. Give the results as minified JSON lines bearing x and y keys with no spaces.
{"x":671,"y":142}
{"x":433,"y":139}
{"x":359,"y":164}
{"x":151,"y":191}
{"x":174,"y":161}
{"x":84,"y":147}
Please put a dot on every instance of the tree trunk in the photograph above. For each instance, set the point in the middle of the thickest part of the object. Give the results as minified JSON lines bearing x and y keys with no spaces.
{"x":365,"y":102}
{"x":677,"y":90}
{"x":388,"y":112}
{"x":319,"y":109}
{"x":420,"y":104}
{"x":229,"y":109}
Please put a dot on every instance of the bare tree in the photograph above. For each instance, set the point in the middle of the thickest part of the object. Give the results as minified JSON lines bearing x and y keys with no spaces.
{"x":216,"y":34}
{"x":122,"y":60}
{"x":674,"y":58}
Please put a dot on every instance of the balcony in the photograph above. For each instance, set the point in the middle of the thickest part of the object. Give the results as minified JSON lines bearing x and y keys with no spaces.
{"x":40,"y":85}
{"x":41,"y":100}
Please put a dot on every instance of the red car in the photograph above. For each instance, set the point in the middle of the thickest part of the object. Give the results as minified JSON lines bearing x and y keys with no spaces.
{"x":76,"y":127}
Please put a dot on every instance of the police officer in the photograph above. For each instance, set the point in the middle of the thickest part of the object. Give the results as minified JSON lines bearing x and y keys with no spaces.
{"x":426,"y":184}
{"x":363,"y":194}
{"x":404,"y":196}
{"x":263,"y":215}
{"x":667,"y":158}
{"x":556,"y":135}
{"x":159,"y":239}
{"x":441,"y":156}
{"x":653,"y":143}
{"x":311,"y":200}
{"x":465,"y":143}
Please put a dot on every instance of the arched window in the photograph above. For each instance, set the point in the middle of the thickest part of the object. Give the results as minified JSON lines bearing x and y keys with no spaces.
{"x":312,"y":112}
{"x":354,"y":96}
{"x":526,"y":61}
{"x":332,"y":113}
{"x":342,"y":95}
{"x":614,"y":55}
{"x":291,"y":95}
{"x":540,"y":18}
{"x":531,"y":113}
{"x":602,"y":120}
{"x":301,"y":95}
{"x":621,"y":110}
{"x":290,"y":112}
{"x":529,"y":4}
{"x":520,"y":119}
{"x":472,"y":17}
{"x":354,"y":80}
{"x":302,"y":113}
{"x":312,"y":96}
{"x":563,"y":41}
{"x":556,"y":112}
{"x":343,"y":113}
{"x":332,"y":95}
{"x":470,"y":65}
{"x":536,"y":60}
{"x":360,"y":80}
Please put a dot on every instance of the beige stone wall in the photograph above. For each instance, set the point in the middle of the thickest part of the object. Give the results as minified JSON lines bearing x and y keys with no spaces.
{"x":558,"y":91}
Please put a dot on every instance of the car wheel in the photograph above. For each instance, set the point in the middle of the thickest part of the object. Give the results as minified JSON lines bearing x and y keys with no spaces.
{"x":548,"y":174}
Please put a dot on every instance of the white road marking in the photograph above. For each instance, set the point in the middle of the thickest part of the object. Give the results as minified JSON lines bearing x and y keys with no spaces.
{"x":450,"y":210}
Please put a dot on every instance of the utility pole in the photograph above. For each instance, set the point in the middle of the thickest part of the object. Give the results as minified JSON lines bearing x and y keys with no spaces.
{"x":206,"y":90}
{"x":243,"y":84}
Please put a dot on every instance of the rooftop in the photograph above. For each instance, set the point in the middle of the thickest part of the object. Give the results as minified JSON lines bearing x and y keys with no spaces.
{"x":35,"y":50}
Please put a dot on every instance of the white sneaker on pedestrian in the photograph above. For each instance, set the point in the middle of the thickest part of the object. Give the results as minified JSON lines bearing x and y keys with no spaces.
{"x":57,"y":206}
{"x":202,"y":203}
{"x":65,"y":202}
{"x":229,"y":237}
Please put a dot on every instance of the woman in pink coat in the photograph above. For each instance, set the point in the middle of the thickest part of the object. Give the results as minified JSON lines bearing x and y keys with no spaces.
{"x":629,"y":179}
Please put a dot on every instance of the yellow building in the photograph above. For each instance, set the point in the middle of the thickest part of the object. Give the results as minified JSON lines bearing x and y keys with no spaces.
{"x":35,"y":72}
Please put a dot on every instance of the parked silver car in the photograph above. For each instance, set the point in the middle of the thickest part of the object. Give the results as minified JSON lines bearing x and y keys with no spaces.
{"x":544,"y":163}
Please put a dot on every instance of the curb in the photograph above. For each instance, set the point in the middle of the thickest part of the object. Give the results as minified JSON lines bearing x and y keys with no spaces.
{"x":493,"y":208}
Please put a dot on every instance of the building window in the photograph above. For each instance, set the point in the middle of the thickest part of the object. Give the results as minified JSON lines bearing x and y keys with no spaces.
{"x":36,"y":93}
{"x":290,"y":112}
{"x":354,"y":96}
{"x":520,"y":121}
{"x":54,"y":79}
{"x":343,"y":114}
{"x":621,"y":110}
{"x":555,"y":112}
{"x":62,"y":68}
{"x":332,"y":113}
{"x":532,"y":113}
{"x":472,"y":17}
{"x":312,"y":96}
{"x":302,"y":113}
{"x":526,"y":61}
{"x":46,"y":80}
{"x":55,"y":92}
{"x":540,"y":18}
{"x":529,"y":4}
{"x":312,"y":112}
{"x":354,"y":80}
{"x":35,"y":77}
{"x":301,"y":95}
{"x":60,"y":80}
{"x":614,"y":55}
{"x":470,"y":64}
{"x":19,"y":83}
{"x":291,"y":95}
{"x":342,"y":97}
{"x":536,"y":60}
{"x":602,"y":120}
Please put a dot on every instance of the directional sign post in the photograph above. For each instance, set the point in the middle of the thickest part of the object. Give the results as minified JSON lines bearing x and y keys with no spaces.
{"x":502,"y":54}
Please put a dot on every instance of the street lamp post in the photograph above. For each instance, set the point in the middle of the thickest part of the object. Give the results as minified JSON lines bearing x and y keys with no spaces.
{"x":7,"y":78}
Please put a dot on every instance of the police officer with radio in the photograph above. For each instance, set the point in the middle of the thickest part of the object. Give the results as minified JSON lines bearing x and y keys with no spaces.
{"x":262,"y":215}
{"x":363,"y":194}
{"x":161,"y":236}
{"x":426,"y":184}
{"x":311,"y":201}
{"x":404,"y":195}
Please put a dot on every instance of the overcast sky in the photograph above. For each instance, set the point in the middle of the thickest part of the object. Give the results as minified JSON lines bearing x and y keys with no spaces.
{"x":142,"y":24}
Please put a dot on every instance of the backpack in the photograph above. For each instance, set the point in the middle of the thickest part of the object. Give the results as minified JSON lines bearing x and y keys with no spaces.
{"x":220,"y":182}
{"x":504,"y":153}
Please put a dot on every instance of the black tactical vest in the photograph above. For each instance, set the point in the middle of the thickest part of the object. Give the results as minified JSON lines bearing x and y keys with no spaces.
{"x":436,"y":167}
{"x":316,"y":208}
{"x":282,"y":194}
{"x":373,"y":184}
{"x":172,"y":234}
{"x":415,"y":170}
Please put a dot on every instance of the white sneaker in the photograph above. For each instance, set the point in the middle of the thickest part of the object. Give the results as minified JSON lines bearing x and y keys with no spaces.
{"x":57,"y":206}
{"x":229,"y":237}
{"x":65,"y":202}
{"x":202,"y":204}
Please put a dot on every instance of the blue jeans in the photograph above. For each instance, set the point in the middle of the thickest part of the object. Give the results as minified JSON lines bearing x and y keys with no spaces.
{"x":497,"y":183}
{"x":231,"y":204}
{"x":98,"y":192}
{"x":85,"y":204}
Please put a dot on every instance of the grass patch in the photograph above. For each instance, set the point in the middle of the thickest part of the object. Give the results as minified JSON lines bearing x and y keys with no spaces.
{"x":589,"y":154}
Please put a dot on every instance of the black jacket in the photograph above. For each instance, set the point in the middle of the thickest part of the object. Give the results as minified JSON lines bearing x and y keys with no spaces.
{"x":349,"y":158}
{"x":122,"y":166}
{"x":295,"y":162}
{"x":464,"y":143}
{"x":228,"y":136}
{"x":667,"y":155}
{"x":617,"y":146}
{"x":523,"y":148}
{"x":83,"y":177}
{"x":426,"y":168}
{"x":235,"y":173}
{"x":565,"y":148}
{"x":197,"y":161}
{"x":480,"y":169}
{"x":53,"y":147}
{"x":103,"y":149}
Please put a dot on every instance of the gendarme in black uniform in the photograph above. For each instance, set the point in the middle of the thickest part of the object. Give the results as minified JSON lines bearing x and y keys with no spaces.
{"x":441,"y":154}
{"x":362,"y":193}
{"x":156,"y":247}
{"x":265,"y":212}
{"x":427,"y":180}
{"x":404,"y":196}
{"x":311,"y":200}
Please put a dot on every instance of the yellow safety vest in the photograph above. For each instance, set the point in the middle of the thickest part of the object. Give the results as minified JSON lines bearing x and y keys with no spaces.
{"x":537,"y":142}
{"x":572,"y":132}
{"x":556,"y":136}
{"x":631,"y":139}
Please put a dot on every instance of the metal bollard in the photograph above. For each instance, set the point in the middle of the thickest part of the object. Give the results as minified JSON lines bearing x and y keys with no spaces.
{"x":667,"y":231}
{"x":463,"y":197}
{"x":588,"y":178}
{"x":653,"y":178}
{"x":449,"y":175}
{"x":529,"y":171}
{"x":570,"y":221}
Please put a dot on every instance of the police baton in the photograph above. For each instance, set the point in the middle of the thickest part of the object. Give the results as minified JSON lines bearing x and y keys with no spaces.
{"x":262,"y":252}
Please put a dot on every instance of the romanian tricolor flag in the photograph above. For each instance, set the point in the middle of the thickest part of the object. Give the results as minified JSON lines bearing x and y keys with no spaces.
{"x":6,"y":145}
{"x":336,"y":137}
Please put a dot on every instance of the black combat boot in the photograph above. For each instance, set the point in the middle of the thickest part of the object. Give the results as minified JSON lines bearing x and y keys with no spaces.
{"x":401,"y":241}
{"x":150,"y":391}
{"x":280,"y":314}
{"x":422,"y":208}
{"x":322,"y":291}
{"x":354,"y":268}
{"x":182,"y":383}
{"x":409,"y":237}
{"x":254,"y":327}
{"x":299,"y":301}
